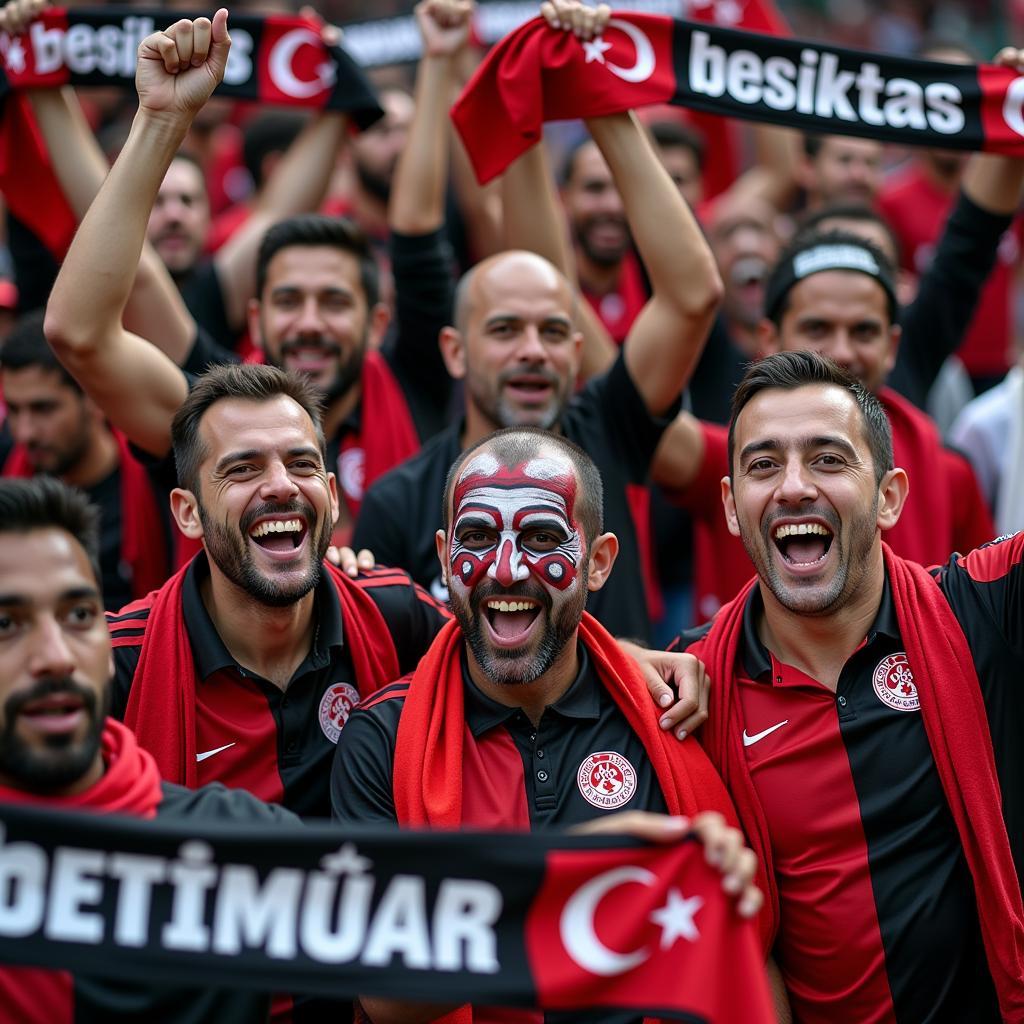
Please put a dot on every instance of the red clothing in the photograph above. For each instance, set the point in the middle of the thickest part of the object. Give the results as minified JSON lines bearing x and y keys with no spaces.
{"x":619,"y":308}
{"x":917,"y":210}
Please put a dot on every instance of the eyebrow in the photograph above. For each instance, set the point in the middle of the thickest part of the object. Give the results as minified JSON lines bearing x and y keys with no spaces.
{"x":498,"y":318}
{"x":258,"y":453}
{"x":772,"y":444}
{"x":72,"y":594}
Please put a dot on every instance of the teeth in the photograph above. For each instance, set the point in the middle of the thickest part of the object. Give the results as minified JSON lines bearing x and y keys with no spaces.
{"x":797,"y":529}
{"x":277,"y":526}
{"x":510,"y":606}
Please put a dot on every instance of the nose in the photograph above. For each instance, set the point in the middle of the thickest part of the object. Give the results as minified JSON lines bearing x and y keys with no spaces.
{"x":50,"y":654}
{"x":840,"y":349}
{"x":23,"y":427}
{"x":309,"y":319}
{"x":277,"y":483}
{"x":796,"y":485}
{"x":508,"y":568}
{"x":530,"y":348}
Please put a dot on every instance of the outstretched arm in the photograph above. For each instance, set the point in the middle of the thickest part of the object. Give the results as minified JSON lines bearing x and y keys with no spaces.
{"x":135,"y":384}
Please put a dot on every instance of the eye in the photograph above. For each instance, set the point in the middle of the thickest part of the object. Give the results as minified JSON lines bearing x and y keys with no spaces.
{"x":475,"y":539}
{"x":7,"y":625}
{"x":305,"y":466}
{"x":829,"y":461}
{"x":761,"y":466}
{"x":542,"y":540}
{"x":243,"y":469}
{"x":82,"y":616}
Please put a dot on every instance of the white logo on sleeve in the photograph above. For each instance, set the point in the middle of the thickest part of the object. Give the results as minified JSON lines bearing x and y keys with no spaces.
{"x":749,"y":741}
{"x":209,"y":753}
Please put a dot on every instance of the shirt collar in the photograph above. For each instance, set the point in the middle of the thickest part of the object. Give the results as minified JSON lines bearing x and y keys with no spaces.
{"x":756,"y":658}
{"x":208,"y":649}
{"x":581,"y":700}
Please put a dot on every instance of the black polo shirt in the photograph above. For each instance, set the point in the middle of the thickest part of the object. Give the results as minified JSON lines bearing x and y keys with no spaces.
{"x":250,"y":734}
{"x":401,"y":512}
{"x":878,"y":914}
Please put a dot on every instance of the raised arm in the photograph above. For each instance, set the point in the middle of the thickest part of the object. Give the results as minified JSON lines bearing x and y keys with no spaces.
{"x":137,"y":386}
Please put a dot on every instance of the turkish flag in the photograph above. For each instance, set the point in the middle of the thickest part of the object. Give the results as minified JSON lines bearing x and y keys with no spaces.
{"x":294,"y":67}
{"x":657,"y":933}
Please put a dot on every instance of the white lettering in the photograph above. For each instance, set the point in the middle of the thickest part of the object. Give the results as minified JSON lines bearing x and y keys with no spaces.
{"x":73,"y":884}
{"x":945,"y":113}
{"x":137,"y":875}
{"x":830,"y":99}
{"x":779,"y":78}
{"x":464,"y":917}
{"x":192,"y":875}
{"x":332,"y":930}
{"x":905,"y":106}
{"x":46,"y":46}
{"x":254,"y":915}
{"x":744,"y":77}
{"x":399,"y":927}
{"x":707,"y":66}
{"x":239,"y":66}
{"x":22,"y":887}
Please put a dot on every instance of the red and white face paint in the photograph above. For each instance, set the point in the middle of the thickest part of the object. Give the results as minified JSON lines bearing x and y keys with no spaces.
{"x":513,"y":523}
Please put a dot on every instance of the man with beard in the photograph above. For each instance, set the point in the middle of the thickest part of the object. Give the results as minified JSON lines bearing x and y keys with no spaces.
{"x":58,"y":431}
{"x":524,"y":713}
{"x":317,"y":309}
{"x":59,"y":750}
{"x":244,"y":666}
{"x":865,"y":717}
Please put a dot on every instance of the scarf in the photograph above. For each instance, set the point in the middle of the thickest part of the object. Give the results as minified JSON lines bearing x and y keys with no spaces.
{"x":129,"y":785}
{"x":143,"y":546}
{"x":1010,"y":503}
{"x":427,"y":779}
{"x":162,"y":704}
{"x":536,"y":74}
{"x":953,"y":714}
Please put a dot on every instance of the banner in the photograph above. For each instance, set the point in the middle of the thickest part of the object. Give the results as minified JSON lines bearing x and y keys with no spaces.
{"x":536,"y":75}
{"x":273,"y":59}
{"x":510,"y":919}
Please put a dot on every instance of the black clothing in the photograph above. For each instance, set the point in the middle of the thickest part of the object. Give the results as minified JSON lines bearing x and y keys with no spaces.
{"x":116,"y":575}
{"x":278,"y":743}
{"x":201,"y":289}
{"x":608,"y":418}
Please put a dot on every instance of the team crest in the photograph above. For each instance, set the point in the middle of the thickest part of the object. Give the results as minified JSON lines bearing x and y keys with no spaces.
{"x":351,"y":472}
{"x":606,"y":780}
{"x":894,"y":683}
{"x":335,"y":706}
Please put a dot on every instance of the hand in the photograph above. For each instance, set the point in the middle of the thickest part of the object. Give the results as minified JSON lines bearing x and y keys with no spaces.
{"x":444,"y":25}
{"x":723,"y":846}
{"x":330,"y":35}
{"x":1007,"y":57}
{"x":572,"y":16}
{"x":179,"y":68}
{"x":349,"y":562}
{"x":668,"y":674}
{"x":17,"y":15}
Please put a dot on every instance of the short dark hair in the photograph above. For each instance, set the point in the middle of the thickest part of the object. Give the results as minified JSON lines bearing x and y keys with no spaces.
{"x":855,"y":212}
{"x":248,"y":383}
{"x":42,"y":503}
{"x":568,"y":166}
{"x":309,"y":229}
{"x":787,"y":371}
{"x":26,"y":346}
{"x":514,"y":445}
{"x":674,"y":135}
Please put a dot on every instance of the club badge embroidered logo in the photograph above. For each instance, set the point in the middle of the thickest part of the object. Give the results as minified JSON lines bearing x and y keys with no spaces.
{"x":335,"y":706}
{"x":894,"y":683}
{"x":606,"y":780}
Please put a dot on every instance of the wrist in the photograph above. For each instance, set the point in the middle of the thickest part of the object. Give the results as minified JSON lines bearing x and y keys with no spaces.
{"x":170,"y":126}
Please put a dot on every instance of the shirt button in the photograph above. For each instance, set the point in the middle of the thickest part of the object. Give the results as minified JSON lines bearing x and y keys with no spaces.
{"x":542,"y":776}
{"x":842,"y":702}
{"x":540,"y":753}
{"x":533,"y":736}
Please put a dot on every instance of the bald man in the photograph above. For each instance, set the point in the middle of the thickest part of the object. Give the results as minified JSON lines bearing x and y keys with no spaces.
{"x":516,"y":345}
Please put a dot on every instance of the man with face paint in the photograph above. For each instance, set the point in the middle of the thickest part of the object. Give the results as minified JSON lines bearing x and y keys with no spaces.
{"x":525,"y":713}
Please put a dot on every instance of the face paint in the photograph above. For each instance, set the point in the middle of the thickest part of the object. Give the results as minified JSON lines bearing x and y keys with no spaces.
{"x":514,"y":523}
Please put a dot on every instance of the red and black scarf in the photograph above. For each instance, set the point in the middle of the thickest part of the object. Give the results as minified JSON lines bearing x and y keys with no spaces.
{"x":162,"y":704}
{"x":143,"y":547}
{"x":954,"y":719}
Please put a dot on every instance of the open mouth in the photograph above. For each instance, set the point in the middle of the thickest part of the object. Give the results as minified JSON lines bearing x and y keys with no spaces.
{"x":282,"y":536}
{"x":803,"y":545}
{"x":54,"y":714}
{"x":511,"y":620}
{"x":530,"y":387}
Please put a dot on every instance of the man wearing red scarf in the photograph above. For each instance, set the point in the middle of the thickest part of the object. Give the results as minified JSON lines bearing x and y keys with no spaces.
{"x":865,"y":717}
{"x":524,"y":713}
{"x":58,"y":749}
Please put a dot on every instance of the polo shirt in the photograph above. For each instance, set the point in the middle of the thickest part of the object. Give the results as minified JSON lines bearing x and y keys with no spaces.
{"x":580,"y":762}
{"x":878,"y":917}
{"x":252,"y":735}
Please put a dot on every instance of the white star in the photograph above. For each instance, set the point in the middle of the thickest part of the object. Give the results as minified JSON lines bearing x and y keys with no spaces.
{"x":595,"y":50}
{"x":346,"y":861}
{"x":16,"y":56}
{"x":676,"y":918}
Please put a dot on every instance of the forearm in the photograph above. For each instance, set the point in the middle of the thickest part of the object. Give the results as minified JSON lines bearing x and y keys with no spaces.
{"x":300,"y":178}
{"x":994,"y":182}
{"x":421,"y":175}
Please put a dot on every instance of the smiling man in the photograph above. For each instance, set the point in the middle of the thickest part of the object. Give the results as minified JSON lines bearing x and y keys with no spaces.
{"x":863,"y":716}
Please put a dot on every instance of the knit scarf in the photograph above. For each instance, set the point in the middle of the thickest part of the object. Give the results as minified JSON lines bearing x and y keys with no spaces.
{"x":130,"y":783}
{"x":143,"y":547}
{"x":428,"y":761}
{"x":162,"y":704}
{"x":953,"y":714}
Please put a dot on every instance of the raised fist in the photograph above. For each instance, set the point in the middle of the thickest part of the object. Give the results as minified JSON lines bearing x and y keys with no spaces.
{"x":444,"y":25}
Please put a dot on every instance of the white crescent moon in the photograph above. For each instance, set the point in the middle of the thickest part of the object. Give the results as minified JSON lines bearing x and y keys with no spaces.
{"x":281,"y":64}
{"x":644,"y":66}
{"x":577,"y":924}
{"x":1012,"y":106}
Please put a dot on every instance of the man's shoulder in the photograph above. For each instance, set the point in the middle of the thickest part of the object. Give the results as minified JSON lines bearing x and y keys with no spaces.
{"x":394,"y":590}
{"x":216,"y":803}
{"x":690,"y":640}
{"x":128,"y":625}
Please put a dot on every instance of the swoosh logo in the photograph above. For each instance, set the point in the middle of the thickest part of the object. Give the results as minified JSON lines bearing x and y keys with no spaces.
{"x":749,"y":741}
{"x":209,"y":753}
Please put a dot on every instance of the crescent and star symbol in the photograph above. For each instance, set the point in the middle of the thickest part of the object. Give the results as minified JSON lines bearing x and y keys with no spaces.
{"x":283,"y":74}
{"x":643,"y":67}
{"x":15,"y":56}
{"x":675,"y":918}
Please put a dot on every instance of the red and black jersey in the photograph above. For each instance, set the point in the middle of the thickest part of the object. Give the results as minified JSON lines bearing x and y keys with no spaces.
{"x":878,"y":919}
{"x":250,"y":734}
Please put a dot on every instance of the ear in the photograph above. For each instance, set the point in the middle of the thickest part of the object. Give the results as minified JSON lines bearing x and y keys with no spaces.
{"x":768,"y":338}
{"x":185,"y":509}
{"x":453,"y":352}
{"x":332,"y":490}
{"x":603,"y":553}
{"x":441,"y":546}
{"x":892,"y":496}
{"x":377,"y":324}
{"x":895,"y":334}
{"x":577,"y":354}
{"x":729,"y":505}
{"x":252,"y":316}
